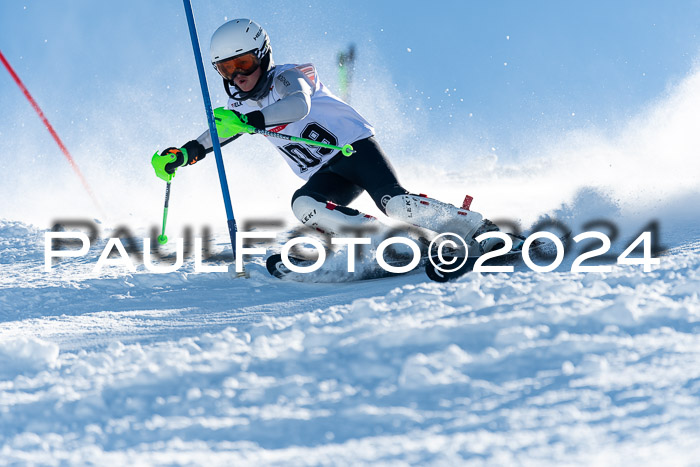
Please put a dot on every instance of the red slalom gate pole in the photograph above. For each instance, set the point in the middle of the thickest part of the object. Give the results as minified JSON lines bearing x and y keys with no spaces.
{"x":51,"y":130}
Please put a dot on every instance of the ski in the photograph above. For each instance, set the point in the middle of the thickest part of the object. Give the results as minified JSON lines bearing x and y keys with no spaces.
{"x":434,"y":267}
{"x":277,"y":269}
{"x":367,"y":271}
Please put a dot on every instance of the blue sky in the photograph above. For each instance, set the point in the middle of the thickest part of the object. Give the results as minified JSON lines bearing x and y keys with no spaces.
{"x":517,"y":67}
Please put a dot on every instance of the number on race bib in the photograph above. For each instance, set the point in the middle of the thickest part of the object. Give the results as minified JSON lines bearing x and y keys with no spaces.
{"x":316,"y":132}
{"x":301,"y":156}
{"x":306,"y":156}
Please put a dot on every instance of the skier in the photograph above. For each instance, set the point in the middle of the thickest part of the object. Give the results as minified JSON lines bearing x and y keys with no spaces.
{"x":292,"y":99}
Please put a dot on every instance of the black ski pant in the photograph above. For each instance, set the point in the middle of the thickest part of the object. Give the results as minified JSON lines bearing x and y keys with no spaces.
{"x":343,"y":178}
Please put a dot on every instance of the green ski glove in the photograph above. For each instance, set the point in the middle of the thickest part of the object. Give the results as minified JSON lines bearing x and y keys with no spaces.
{"x":171,"y":159}
{"x":166,"y":163}
{"x":229,"y":124}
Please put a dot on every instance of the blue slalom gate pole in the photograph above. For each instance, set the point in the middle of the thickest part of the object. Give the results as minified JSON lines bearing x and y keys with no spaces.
{"x":212,"y":125}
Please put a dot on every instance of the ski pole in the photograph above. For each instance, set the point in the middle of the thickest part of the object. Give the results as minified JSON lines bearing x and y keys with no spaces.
{"x":162,"y":238}
{"x":347,"y":150}
{"x":239,"y":124}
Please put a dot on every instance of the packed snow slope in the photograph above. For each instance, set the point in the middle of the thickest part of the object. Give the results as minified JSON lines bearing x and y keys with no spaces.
{"x":556,"y":368}
{"x":183,"y":368}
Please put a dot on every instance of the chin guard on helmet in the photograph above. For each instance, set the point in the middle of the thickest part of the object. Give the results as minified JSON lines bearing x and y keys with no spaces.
{"x":258,"y":92}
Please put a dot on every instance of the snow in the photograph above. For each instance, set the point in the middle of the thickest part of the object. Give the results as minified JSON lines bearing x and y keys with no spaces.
{"x":533,"y":368}
{"x":555,"y":368}
{"x":27,"y":354}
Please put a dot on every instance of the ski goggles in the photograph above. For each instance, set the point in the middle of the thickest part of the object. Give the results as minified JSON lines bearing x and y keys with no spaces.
{"x":244,"y":64}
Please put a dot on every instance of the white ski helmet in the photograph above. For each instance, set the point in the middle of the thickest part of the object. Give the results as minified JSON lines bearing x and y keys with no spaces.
{"x":240,"y":46}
